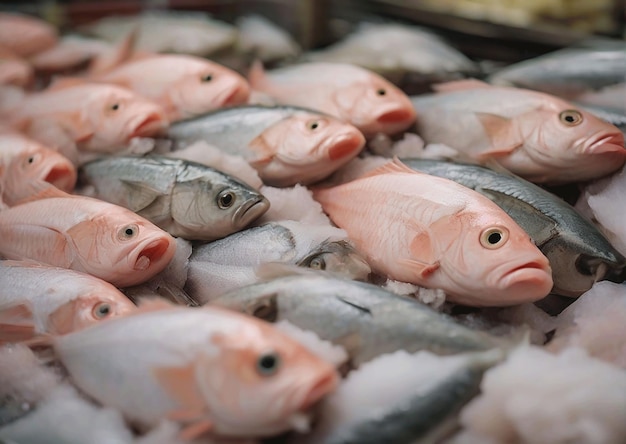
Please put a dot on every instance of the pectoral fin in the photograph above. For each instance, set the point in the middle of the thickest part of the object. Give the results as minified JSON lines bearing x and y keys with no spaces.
{"x":502,"y":134}
{"x":140,"y":195}
{"x":422,"y":269}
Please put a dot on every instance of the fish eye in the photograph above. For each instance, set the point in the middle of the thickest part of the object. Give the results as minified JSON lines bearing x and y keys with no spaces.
{"x":313,"y":125}
{"x":226,"y":199}
{"x":381,"y":91}
{"x":128,"y":232}
{"x":115,"y":106}
{"x":206,"y":78}
{"x":102,"y":310}
{"x":571,"y":117}
{"x":494,"y":237}
{"x":31,"y":159}
{"x":268,"y":364}
{"x":317,"y":264}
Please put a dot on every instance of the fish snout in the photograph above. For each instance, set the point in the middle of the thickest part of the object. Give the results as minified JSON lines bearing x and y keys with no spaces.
{"x":150,"y":125}
{"x":323,"y":386}
{"x":62,"y":175}
{"x":238,"y":95}
{"x":154,"y":251}
{"x":345,"y":145}
{"x":401,"y":115}
{"x":606,"y":143}
{"x":527,"y":282}
{"x":250,"y":210}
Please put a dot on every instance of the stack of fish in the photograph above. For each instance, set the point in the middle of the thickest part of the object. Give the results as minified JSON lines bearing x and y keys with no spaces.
{"x":188,"y":254}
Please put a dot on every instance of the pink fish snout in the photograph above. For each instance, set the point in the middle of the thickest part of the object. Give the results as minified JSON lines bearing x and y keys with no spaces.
{"x":321,"y":388}
{"x":404,"y":115}
{"x":155,"y":251}
{"x":606,"y":143}
{"x":151,"y":124}
{"x":527,"y":281}
{"x":346,"y":145}
{"x":62,"y":175}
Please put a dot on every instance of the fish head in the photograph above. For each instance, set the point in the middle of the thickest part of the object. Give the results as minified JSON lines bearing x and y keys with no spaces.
{"x":91,"y":308}
{"x":213,"y":209}
{"x":261,"y":382}
{"x":375,"y":106}
{"x":208,"y":88}
{"x":38,"y":163}
{"x":496,"y":263}
{"x":338,"y":257}
{"x":117,"y":115}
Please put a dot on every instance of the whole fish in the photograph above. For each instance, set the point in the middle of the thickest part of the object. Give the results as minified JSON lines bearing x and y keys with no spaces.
{"x":286,"y":145}
{"x":87,"y":235}
{"x":568,"y":72}
{"x":229,"y":263}
{"x":534,"y":135}
{"x":348,"y":92}
{"x":184,"y":198}
{"x":26,"y":162}
{"x":25,"y":35}
{"x":365,"y":319}
{"x":91,"y":117}
{"x":184,"y":86}
{"x":210,"y":369}
{"x":393,"y":49}
{"x":402,"y":399}
{"x":579,"y":254}
{"x":433,"y":232}
{"x":61,"y":300}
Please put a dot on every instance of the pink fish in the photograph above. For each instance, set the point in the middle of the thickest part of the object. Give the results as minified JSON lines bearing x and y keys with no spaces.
{"x":87,"y":235}
{"x":534,"y":135}
{"x":87,"y":116}
{"x":210,"y":369}
{"x":29,"y":164}
{"x":61,"y":300}
{"x":13,"y":69}
{"x":432,"y":232}
{"x":354,"y":94}
{"x":185,"y":86}
{"x":26,"y":35}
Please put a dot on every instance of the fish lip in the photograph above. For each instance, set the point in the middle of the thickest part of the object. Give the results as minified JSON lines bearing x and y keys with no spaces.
{"x":398,"y":115}
{"x":321,"y":388}
{"x":251,"y":209}
{"x":151,"y":252}
{"x":533,"y":274}
{"x":343,"y":145}
{"x":152,"y":124}
{"x":605,"y":143}
{"x":62,"y":175}
{"x":237,"y":96}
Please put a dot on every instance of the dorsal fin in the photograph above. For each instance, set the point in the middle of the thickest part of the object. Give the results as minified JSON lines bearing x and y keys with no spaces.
{"x":394,"y":166}
{"x":460,"y":85}
{"x":120,"y":54}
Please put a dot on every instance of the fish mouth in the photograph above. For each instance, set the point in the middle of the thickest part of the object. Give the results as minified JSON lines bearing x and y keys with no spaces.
{"x":62,"y":175}
{"x":251,"y":210}
{"x":321,"y":388}
{"x":345,"y":145}
{"x":237,"y":96}
{"x":397,"y":116}
{"x":153,"y":252}
{"x":152,"y":124}
{"x":606,"y":144}
{"x":527,"y":282}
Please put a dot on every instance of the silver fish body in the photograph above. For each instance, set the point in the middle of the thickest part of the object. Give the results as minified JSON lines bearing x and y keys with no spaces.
{"x":229,"y":263}
{"x":365,"y":319}
{"x":567,"y":72}
{"x":186,"y":199}
{"x":579,"y":254}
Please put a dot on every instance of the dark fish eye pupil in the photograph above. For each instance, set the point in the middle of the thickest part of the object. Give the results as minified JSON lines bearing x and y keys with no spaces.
{"x":314,"y":125}
{"x":31,"y":159}
{"x":381,"y":92}
{"x":494,"y":238}
{"x":104,"y":310}
{"x":129,"y":231}
{"x":207,"y":78}
{"x":115,"y":107}
{"x":570,"y":119}
{"x":226,"y":200}
{"x":268,"y":364}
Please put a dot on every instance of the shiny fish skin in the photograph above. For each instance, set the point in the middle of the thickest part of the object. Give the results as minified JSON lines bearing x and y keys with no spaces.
{"x":287,"y":145}
{"x":220,"y":266}
{"x":365,"y":319}
{"x":184,"y":198}
{"x":579,"y":254}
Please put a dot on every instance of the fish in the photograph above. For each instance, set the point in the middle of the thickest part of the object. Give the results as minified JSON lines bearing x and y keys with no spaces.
{"x":26,"y":163}
{"x":184,"y":198}
{"x":568,"y":72}
{"x":72,"y":51}
{"x":61,"y":300}
{"x":401,"y":398}
{"x":25,"y":35}
{"x":286,"y":145}
{"x":579,"y":253}
{"x":365,"y":319}
{"x":184,"y":86}
{"x":614,"y":116}
{"x":229,"y":263}
{"x":14,"y":70}
{"x":537,"y":136}
{"x":86,"y":235}
{"x":194,"y":33}
{"x":394,"y":50}
{"x":198,"y":366}
{"x":354,"y":94}
{"x":421,"y":229}
{"x":90,"y":117}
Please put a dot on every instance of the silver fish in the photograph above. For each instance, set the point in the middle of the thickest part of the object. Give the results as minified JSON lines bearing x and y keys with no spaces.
{"x":363,"y":318}
{"x":229,"y":263}
{"x":579,"y":254}
{"x":568,"y":72}
{"x":186,"y":199}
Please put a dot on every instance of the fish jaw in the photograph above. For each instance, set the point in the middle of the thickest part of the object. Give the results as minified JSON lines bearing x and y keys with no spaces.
{"x":251,"y":210}
{"x":61,"y":174}
{"x":344,"y":146}
{"x":149,"y":258}
{"x":526,"y":282}
{"x":237,"y":96}
{"x":149,"y":125}
{"x":605,"y":143}
{"x":393,"y":119}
